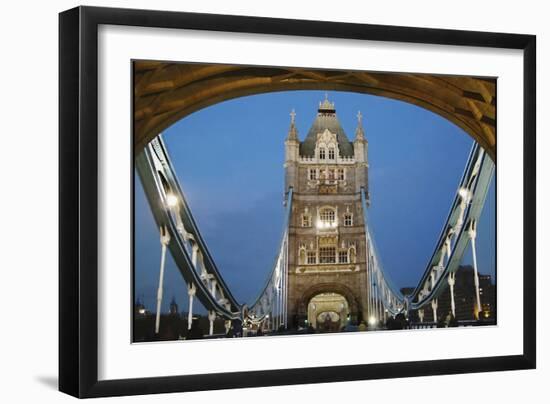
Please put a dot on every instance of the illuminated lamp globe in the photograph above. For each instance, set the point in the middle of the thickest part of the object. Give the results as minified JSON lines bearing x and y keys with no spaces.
{"x":171,"y":200}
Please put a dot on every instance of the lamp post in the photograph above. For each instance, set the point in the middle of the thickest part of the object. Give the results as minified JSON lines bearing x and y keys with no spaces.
{"x":472,"y":233}
{"x":171,"y":203}
{"x":191,"y":291}
{"x":451,"y":281}
{"x":211,"y":318}
{"x":164,"y":240}
{"x":434,"y":309}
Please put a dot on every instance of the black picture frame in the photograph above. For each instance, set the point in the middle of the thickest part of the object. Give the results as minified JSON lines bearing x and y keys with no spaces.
{"x":78,"y":200}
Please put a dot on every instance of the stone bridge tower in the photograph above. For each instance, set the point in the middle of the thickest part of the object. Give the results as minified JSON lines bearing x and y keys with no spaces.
{"x":327,"y":281}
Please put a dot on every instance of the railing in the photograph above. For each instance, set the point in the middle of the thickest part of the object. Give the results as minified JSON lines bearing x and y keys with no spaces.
{"x":384,"y":297}
{"x":271,"y":304}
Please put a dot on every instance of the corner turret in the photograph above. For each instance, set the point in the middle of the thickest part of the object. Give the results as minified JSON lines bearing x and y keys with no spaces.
{"x":360,"y":151}
{"x":292,"y":153}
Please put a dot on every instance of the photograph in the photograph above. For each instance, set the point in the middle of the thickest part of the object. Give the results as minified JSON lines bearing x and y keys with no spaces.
{"x":273,"y":201}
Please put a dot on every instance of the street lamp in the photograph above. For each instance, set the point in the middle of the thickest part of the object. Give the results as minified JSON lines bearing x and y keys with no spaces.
{"x":171,"y":200}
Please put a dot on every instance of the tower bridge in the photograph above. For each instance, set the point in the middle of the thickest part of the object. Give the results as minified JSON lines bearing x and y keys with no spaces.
{"x":327,"y":245}
{"x":327,"y":273}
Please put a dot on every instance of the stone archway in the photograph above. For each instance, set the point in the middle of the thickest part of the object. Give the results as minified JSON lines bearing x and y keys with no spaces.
{"x":328,"y":311}
{"x":352,"y":308}
{"x":166,"y":92}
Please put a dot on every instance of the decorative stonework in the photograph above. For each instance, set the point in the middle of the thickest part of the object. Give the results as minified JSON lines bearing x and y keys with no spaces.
{"x":328,"y":241}
{"x":328,"y":189}
{"x":326,"y":269}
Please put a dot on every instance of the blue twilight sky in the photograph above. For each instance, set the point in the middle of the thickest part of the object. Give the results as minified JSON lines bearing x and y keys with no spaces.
{"x":229,"y":160}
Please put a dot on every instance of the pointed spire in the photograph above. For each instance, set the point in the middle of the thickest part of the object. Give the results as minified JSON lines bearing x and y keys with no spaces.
{"x":292,"y":132}
{"x":359,"y":132}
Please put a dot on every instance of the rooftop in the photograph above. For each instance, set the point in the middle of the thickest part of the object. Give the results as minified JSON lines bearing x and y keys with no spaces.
{"x":326,"y":119}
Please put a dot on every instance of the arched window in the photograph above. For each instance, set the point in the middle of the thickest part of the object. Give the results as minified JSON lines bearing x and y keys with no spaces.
{"x":312,"y":173}
{"x":348,"y":219}
{"x":322,"y":155}
{"x":331,"y":153}
{"x":327,"y":255}
{"x":327,"y":218}
{"x":341,"y":175}
{"x":343,"y":256}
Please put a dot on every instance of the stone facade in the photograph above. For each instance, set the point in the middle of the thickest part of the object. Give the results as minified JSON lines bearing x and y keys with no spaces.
{"x":326,"y":230}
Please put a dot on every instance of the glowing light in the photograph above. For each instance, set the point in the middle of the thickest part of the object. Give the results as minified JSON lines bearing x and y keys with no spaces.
{"x":171,"y":200}
{"x":326,"y":225}
{"x":141,"y":311}
{"x":372,"y":320}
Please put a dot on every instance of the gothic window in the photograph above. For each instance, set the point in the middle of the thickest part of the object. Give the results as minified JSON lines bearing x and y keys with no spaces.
{"x":343,"y":257}
{"x":341,"y":174}
{"x":327,"y":255}
{"x":327,"y":217}
{"x":348,"y":221}
{"x":322,"y":153}
{"x":331,"y":153}
{"x":306,"y":221}
{"x":311,"y":257}
{"x":312,"y":173}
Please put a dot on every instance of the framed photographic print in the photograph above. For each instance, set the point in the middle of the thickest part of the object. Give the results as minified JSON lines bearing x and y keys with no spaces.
{"x":250,"y":201}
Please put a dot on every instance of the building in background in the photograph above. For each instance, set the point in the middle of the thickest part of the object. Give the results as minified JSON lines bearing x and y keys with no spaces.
{"x":174,"y":307}
{"x":465,"y":299}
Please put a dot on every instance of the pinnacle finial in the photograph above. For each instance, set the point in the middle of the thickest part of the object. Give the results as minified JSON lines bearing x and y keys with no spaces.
{"x":326,"y":104}
{"x":359,"y":132}
{"x":292,"y":133}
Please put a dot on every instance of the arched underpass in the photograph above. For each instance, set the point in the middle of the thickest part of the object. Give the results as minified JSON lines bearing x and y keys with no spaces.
{"x":167,"y":92}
